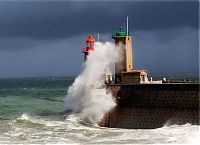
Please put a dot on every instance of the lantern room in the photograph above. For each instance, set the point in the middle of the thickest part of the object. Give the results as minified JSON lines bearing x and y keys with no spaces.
{"x":89,"y":46}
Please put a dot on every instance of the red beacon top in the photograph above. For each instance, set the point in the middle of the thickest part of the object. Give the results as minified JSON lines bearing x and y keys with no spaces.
{"x":90,"y":44}
{"x":90,"y":39}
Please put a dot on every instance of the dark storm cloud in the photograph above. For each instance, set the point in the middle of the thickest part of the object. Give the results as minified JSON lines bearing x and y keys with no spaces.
{"x":64,"y":57}
{"x":46,"y":38}
{"x":177,"y":55}
{"x":54,"y":20}
{"x":60,"y":57}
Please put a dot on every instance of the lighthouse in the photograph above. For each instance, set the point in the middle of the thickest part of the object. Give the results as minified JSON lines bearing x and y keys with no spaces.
{"x":123,"y":38}
{"x":89,"y":46}
{"x":125,"y":73}
{"x":107,"y":76}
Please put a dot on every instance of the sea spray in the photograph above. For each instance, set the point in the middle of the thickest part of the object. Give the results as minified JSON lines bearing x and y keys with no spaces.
{"x":81,"y":97}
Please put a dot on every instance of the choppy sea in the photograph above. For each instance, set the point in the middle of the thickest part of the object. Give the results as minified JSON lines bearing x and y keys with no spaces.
{"x":32,"y":111}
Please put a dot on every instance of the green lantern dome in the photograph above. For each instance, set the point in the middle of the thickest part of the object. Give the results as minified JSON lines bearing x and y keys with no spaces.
{"x":120,"y":33}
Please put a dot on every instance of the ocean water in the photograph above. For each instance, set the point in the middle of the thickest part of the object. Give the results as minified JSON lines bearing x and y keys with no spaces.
{"x":32,"y":111}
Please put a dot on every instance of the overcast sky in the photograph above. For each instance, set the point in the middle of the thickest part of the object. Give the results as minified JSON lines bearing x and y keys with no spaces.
{"x":45,"y":38}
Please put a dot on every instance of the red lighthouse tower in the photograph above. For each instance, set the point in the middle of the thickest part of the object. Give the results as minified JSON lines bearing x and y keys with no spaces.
{"x":90,"y":46}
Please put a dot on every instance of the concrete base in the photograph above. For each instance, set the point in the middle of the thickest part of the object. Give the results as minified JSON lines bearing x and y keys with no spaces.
{"x":153,"y":105}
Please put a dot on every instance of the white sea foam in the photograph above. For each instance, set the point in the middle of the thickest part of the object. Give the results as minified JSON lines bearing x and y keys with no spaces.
{"x":81,"y":97}
{"x":71,"y":131}
{"x":194,"y":137}
{"x":39,"y":120}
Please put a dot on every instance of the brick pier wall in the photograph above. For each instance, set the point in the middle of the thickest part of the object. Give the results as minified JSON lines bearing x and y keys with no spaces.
{"x":153,"y":105}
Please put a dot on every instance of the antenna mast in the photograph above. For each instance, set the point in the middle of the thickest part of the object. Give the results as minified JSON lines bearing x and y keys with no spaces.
{"x":127,"y":25}
{"x":98,"y":37}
